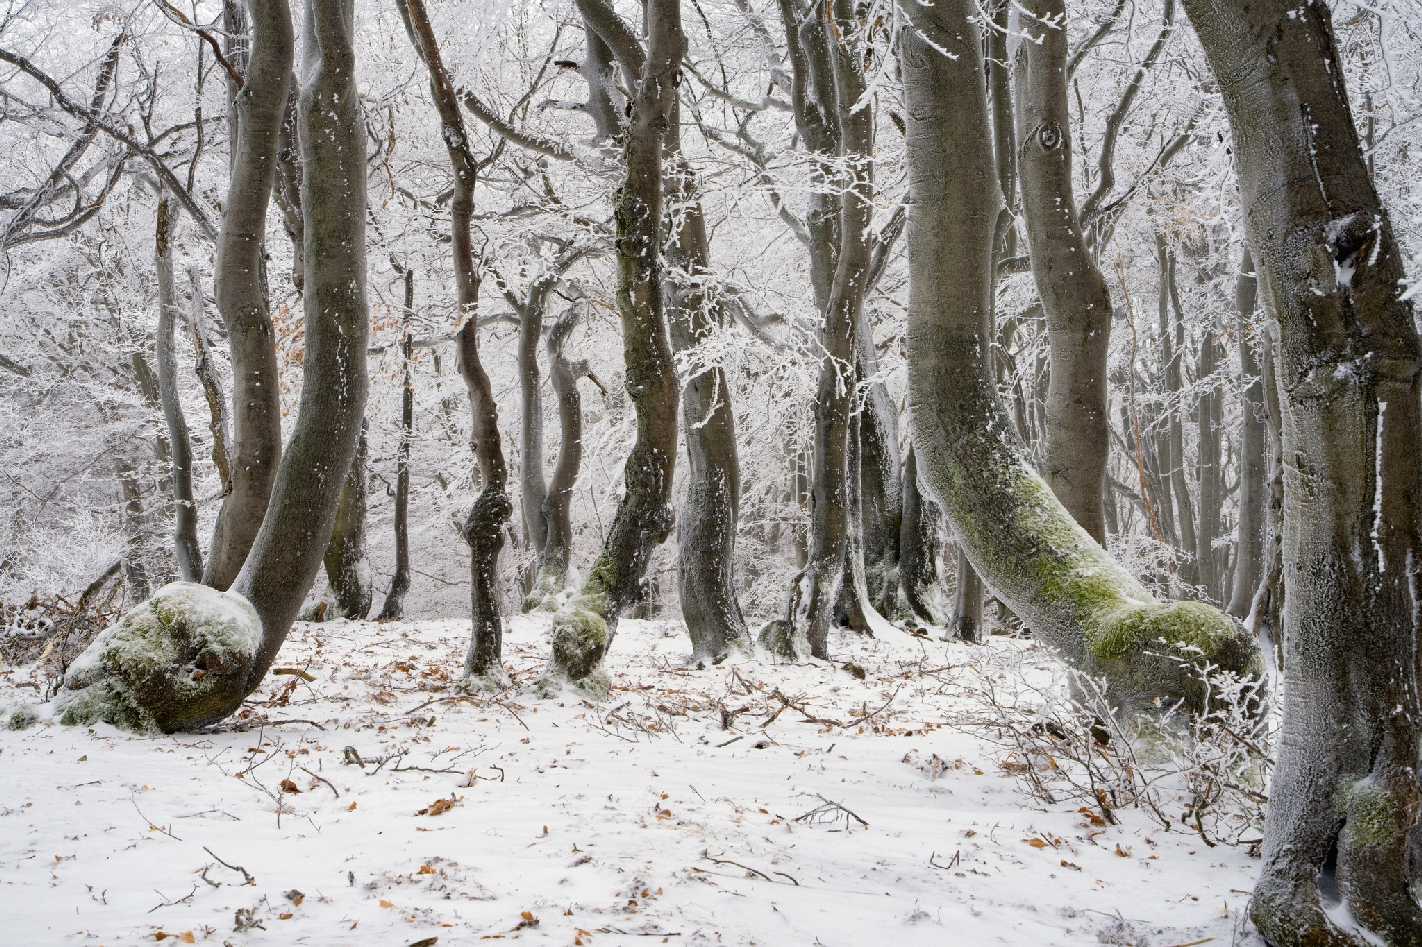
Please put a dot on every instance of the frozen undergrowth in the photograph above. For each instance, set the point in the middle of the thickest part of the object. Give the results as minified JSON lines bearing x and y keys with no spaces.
{"x":377,"y":803}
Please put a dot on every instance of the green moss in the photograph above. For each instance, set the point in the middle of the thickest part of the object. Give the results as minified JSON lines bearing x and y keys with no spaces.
{"x":1193,"y":626}
{"x":20,"y":718}
{"x":1372,"y":816}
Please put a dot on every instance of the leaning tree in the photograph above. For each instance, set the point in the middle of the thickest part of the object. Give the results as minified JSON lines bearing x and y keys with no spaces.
{"x":1019,"y":538}
{"x":188,"y":656}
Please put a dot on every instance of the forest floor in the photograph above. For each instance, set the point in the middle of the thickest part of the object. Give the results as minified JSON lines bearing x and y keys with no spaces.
{"x":373,"y":804}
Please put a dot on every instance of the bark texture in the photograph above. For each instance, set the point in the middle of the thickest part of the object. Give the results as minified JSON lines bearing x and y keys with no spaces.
{"x":1345,"y":797}
{"x":287,"y":552}
{"x":242,"y":294}
{"x":583,"y":629}
{"x":484,"y":526}
{"x":186,"y":548}
{"x":347,"y":568}
{"x":394,"y":606}
{"x":1253,"y":449}
{"x":1073,"y":291}
{"x":1021,"y":540}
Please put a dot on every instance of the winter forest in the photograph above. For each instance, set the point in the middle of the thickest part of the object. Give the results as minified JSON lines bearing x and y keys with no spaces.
{"x":611,"y":472}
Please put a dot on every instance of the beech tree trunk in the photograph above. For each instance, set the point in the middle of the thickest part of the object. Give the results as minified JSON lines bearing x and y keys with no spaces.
{"x":484,"y":527}
{"x":918,"y":548}
{"x":1023,"y":543}
{"x":296,"y":530}
{"x":1345,"y":798}
{"x":1073,"y":291}
{"x":709,"y":516}
{"x":394,"y":607}
{"x":557,"y":511}
{"x":241,"y":290}
{"x":583,"y":629}
{"x":1253,"y":449}
{"x":186,"y":548}
{"x":1210,"y":475}
{"x":347,"y":568}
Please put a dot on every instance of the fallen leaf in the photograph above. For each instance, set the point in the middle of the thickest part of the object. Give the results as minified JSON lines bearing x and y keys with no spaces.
{"x":351,"y":807}
{"x":289,"y":786}
{"x":1035,"y":842}
{"x":441,"y":805}
{"x":295,"y":897}
{"x":1122,"y":852}
{"x":386,"y":904}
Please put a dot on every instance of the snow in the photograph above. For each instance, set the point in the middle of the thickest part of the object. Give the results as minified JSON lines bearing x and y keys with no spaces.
{"x":638,"y":817}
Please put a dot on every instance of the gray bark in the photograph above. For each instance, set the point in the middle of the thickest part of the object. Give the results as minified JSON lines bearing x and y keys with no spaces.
{"x":918,"y":548}
{"x":1073,"y":291}
{"x":563,"y":375}
{"x":484,"y":526}
{"x":583,"y":630}
{"x":394,"y":607}
{"x":241,"y":291}
{"x":1345,"y":798}
{"x":347,"y":569}
{"x":1253,"y":449}
{"x":296,"y":530}
{"x":1021,"y":540}
{"x":1210,"y":474}
{"x":186,"y":548}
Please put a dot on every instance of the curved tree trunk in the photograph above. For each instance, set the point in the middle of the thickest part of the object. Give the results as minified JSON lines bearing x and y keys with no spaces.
{"x":217,"y":646}
{"x":287,"y":552}
{"x":347,"y":568}
{"x":1073,"y":291}
{"x":394,"y":607}
{"x":558,"y":505}
{"x":186,"y":548}
{"x":533,"y":488}
{"x":1345,"y":798}
{"x":242,"y":294}
{"x":1020,"y":539}
{"x":709,"y":515}
{"x":583,"y":630}
{"x":484,"y":527}
{"x":1253,"y":450}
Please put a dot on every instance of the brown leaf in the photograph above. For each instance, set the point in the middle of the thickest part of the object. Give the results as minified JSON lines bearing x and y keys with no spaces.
{"x":289,"y":786}
{"x":441,"y":805}
{"x":1122,"y":852}
{"x":1072,"y":865}
{"x":1035,"y":842}
{"x":386,"y":904}
{"x":295,"y":897}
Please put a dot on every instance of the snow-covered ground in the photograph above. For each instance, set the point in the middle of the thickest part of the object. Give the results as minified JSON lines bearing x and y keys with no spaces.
{"x":379,"y":806}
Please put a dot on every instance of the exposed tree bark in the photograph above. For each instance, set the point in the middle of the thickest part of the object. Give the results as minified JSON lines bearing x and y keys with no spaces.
{"x":827,"y":81}
{"x":242,"y":295}
{"x":1020,"y":539}
{"x":347,"y":568}
{"x":394,"y":607}
{"x":135,"y":570}
{"x":484,"y":527}
{"x":967,"y":602}
{"x":217,"y":646}
{"x":605,"y":101}
{"x":1253,"y":449}
{"x":288,"y":189}
{"x":211,"y":383}
{"x":583,"y":629}
{"x":557,"y":511}
{"x":186,"y":548}
{"x":1210,"y":474}
{"x":1172,"y":347}
{"x":709,"y":515}
{"x":288,"y":549}
{"x":1345,"y":798}
{"x":918,"y":548}
{"x":1073,"y":290}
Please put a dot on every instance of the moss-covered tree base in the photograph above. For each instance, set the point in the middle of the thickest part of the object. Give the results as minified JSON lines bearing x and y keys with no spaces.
{"x":177,"y":662}
{"x":580,"y":638}
{"x":782,"y":640}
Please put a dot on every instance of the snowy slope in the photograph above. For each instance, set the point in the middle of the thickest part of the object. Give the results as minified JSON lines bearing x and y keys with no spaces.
{"x":639,"y":821}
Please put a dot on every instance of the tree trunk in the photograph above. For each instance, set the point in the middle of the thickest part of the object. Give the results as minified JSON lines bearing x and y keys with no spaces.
{"x":484,"y":527}
{"x":583,"y":629}
{"x":1345,"y":797}
{"x":918,"y":548}
{"x":558,"y":505}
{"x":880,"y":487}
{"x":1253,"y":449}
{"x":297,"y":528}
{"x":1021,"y":540}
{"x":533,"y":488}
{"x":242,"y":295}
{"x":185,"y":540}
{"x":394,"y":607}
{"x":1210,"y":475}
{"x":710,"y":513}
{"x":829,"y":82}
{"x":1172,"y":346}
{"x":968,"y":602}
{"x":1073,"y":291}
{"x":347,"y":568}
